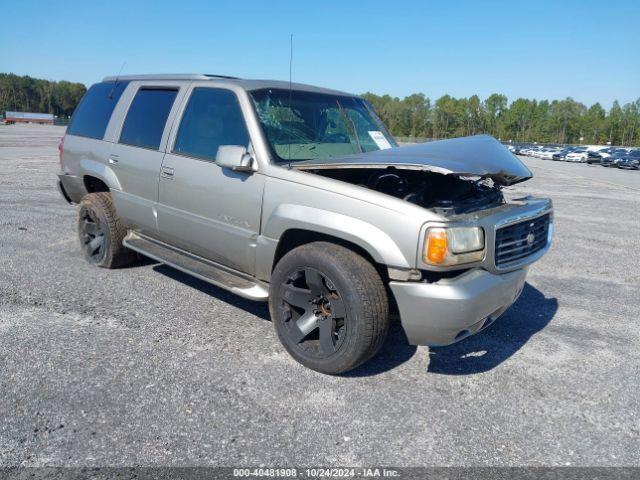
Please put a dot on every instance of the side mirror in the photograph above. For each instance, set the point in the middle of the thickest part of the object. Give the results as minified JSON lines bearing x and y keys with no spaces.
{"x":235,"y":157}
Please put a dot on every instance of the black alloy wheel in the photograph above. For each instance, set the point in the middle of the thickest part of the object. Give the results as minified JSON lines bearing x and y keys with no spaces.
{"x":101,"y":232}
{"x":92,"y":235}
{"x":329,"y":307}
{"x":315,"y":318}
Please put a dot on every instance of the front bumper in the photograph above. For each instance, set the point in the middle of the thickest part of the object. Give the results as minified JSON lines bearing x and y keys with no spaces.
{"x":449,"y":310}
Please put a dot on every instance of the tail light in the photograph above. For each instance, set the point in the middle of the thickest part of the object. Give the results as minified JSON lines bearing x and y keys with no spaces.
{"x":60,"y":146}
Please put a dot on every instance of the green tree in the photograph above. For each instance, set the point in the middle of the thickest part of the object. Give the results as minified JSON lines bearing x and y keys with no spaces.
{"x":593,"y":129}
{"x":524,"y":120}
{"x":613,"y":124}
{"x":520,"y":117}
{"x":630,"y":114}
{"x":26,"y":94}
{"x":495,"y":107}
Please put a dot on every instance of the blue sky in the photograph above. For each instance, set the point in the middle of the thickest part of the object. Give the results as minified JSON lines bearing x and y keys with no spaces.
{"x":535,"y":49}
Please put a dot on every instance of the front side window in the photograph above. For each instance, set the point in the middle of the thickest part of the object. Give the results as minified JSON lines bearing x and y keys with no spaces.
{"x":94,"y":111}
{"x":147,"y":117}
{"x":211,"y":118}
{"x":303,"y":125}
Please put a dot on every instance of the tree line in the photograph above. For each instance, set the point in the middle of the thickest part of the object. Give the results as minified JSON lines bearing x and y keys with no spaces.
{"x":27,"y":94}
{"x":523,"y":120}
{"x":415,"y":116}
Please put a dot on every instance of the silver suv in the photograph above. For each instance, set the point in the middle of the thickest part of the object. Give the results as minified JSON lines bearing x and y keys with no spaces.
{"x":300,"y":196}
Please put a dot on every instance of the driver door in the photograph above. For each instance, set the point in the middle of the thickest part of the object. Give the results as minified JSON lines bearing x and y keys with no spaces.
{"x":205,"y":209}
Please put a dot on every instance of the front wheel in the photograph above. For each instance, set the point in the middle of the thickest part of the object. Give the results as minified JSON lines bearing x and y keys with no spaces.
{"x":329,"y":307}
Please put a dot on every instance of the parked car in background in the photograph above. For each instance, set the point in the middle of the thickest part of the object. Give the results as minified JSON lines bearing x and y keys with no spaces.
{"x":548,"y":153}
{"x":594,"y":156}
{"x":612,"y":160}
{"x":533,"y":151}
{"x":578,"y":155}
{"x":606,"y":152}
{"x":540,"y":152}
{"x":629,"y":161}
{"x":597,"y":156}
{"x":562,"y":154}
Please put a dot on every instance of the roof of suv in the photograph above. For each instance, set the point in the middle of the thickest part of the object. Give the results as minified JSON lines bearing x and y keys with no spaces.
{"x":244,"y":83}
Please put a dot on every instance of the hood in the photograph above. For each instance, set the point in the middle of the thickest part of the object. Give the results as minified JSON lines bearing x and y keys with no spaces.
{"x":477,"y":156}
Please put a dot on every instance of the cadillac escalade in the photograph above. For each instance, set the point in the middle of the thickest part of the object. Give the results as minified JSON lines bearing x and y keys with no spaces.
{"x":299,"y":196}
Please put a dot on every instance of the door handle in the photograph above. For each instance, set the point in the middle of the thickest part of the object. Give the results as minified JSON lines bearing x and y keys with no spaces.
{"x":167,"y":172}
{"x":113,"y":161}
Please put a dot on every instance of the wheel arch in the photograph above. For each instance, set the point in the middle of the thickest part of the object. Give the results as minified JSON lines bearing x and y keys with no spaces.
{"x":94,"y":184}
{"x":93,"y":170}
{"x":296,"y":237}
{"x":290,"y":226}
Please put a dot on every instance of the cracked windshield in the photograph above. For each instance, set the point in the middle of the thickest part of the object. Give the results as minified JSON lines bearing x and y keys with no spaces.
{"x":306,"y":125}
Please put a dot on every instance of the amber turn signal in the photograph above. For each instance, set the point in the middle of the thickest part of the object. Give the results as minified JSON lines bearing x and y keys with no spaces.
{"x":436,"y":250}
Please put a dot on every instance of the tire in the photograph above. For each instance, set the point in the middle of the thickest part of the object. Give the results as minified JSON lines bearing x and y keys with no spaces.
{"x":329,"y":307}
{"x":101,"y":232}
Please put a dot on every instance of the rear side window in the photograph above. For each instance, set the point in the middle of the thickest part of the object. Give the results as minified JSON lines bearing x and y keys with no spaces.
{"x":212,"y":118}
{"x":94,"y":111}
{"x":147,"y":117}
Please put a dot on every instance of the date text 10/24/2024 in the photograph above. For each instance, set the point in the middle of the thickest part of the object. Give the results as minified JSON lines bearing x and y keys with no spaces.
{"x":316,"y":472}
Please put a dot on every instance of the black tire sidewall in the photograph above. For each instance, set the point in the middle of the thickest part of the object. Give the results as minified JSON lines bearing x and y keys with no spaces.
{"x":93,"y":204}
{"x":355,"y":347}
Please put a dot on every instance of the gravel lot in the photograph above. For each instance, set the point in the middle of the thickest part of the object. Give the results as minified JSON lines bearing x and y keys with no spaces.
{"x":147,"y":366}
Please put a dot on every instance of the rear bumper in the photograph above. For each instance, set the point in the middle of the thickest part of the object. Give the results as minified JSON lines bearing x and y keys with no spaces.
{"x":447,"y":311}
{"x":71,"y":187}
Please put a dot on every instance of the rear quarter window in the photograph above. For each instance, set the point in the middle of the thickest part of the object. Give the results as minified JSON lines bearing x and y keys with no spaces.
{"x":147,"y":117}
{"x":92,"y":116}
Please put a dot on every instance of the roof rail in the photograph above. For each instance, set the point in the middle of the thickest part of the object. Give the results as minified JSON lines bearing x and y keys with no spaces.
{"x":213,"y":75}
{"x":167,"y":76}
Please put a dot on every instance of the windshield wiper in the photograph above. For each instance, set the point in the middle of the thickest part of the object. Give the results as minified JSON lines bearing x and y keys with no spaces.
{"x":350,"y":123}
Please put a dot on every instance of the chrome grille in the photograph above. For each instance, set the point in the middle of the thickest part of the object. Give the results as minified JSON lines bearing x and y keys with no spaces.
{"x":518,"y":241}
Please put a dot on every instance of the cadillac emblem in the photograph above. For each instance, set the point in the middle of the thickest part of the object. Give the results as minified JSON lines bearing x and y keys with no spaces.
{"x":530,"y":238}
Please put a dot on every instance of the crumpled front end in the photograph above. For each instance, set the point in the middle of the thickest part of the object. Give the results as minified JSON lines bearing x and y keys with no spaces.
{"x":446,"y":310}
{"x":477,"y":156}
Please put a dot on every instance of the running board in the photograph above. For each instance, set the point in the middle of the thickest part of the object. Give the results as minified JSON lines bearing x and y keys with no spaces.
{"x":198,"y":267}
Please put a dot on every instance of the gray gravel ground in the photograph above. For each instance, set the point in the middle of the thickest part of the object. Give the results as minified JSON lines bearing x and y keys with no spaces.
{"x":147,"y":366}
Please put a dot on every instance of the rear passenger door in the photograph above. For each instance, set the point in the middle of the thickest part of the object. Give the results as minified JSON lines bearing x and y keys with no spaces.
{"x":203,"y":208}
{"x":136,"y":156}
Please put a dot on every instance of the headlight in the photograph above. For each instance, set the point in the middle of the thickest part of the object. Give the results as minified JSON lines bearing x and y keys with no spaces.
{"x":453,"y":246}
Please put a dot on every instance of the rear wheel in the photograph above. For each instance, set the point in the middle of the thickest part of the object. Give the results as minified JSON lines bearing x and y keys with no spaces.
{"x":329,"y":307}
{"x":101,"y":232}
